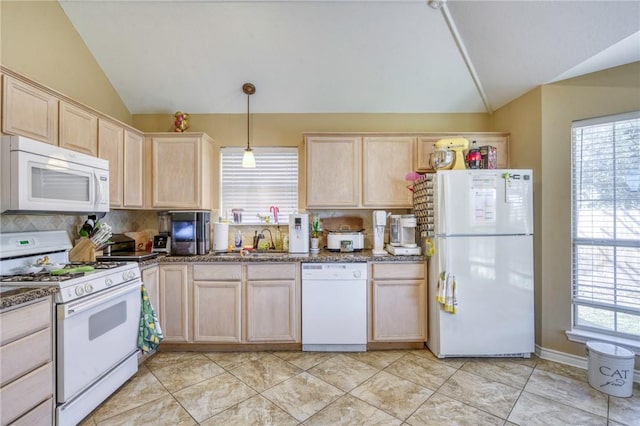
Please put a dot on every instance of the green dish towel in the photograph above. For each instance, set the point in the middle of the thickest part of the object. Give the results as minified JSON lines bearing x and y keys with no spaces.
{"x":150,"y":334}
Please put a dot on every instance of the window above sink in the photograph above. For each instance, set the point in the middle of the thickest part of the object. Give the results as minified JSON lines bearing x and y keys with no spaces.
{"x":259,"y":191}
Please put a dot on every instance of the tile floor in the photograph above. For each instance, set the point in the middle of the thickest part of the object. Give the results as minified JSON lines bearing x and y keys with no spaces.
{"x":409,"y":387}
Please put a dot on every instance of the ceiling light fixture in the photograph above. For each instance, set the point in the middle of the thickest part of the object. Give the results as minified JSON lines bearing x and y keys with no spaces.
{"x":435,"y":4}
{"x":248,"y":160}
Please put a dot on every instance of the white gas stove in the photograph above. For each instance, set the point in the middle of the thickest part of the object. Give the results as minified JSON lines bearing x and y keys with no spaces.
{"x":96,"y":320}
{"x":21,"y":253}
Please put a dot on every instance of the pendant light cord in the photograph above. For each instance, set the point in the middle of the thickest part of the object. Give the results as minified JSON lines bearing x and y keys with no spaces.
{"x":248,"y":138}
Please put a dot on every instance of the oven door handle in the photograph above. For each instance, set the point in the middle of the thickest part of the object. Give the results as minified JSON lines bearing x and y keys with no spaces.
{"x":74,"y":308}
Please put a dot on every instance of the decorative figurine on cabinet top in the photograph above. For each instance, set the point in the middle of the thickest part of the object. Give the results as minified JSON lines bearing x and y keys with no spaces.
{"x":182,"y":121}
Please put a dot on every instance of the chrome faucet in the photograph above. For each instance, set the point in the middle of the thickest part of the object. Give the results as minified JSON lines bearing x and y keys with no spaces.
{"x":272,"y":246}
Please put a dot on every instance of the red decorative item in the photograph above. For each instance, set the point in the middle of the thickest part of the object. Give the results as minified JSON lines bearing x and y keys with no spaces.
{"x":182,"y":121}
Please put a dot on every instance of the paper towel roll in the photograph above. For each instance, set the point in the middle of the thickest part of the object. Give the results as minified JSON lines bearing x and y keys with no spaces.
{"x":220,"y":236}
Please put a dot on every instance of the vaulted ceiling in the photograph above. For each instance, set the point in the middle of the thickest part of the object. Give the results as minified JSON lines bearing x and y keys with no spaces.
{"x":412,"y":56}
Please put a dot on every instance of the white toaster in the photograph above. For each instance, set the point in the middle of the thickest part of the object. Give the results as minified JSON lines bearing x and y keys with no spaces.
{"x":354,"y":240}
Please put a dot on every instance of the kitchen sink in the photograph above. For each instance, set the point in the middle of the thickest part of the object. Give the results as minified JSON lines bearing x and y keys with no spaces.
{"x":255,"y":254}
{"x":267,"y":254}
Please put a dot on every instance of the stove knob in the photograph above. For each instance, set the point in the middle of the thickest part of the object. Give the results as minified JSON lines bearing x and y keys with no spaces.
{"x":79,"y":291}
{"x":108,"y":282}
{"x":88,"y":287}
{"x":357,"y":274}
{"x":132,"y":275}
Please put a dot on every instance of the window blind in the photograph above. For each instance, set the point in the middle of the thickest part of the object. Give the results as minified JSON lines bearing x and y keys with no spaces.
{"x":606,"y":224}
{"x":273,"y":182}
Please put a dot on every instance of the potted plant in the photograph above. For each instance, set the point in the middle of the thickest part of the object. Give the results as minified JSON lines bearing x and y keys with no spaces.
{"x":315,"y":233}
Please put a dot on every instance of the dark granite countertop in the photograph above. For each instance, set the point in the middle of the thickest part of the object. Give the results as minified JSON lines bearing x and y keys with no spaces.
{"x":322,"y":256}
{"x":14,"y":295}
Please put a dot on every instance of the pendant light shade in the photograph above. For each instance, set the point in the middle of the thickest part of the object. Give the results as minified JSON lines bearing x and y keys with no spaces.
{"x":248,"y":160}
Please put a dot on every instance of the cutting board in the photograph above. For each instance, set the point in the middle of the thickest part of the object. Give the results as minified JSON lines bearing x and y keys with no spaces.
{"x":142,"y":238}
{"x":341,"y":223}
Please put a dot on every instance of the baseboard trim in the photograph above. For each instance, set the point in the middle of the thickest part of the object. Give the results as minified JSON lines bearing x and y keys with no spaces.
{"x":572,"y":360}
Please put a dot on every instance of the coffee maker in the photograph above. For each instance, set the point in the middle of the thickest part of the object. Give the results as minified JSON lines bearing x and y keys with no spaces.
{"x":190,"y":232}
{"x":407,"y":237}
{"x":162,"y":241}
{"x":299,"y":233}
{"x":379,"y":222}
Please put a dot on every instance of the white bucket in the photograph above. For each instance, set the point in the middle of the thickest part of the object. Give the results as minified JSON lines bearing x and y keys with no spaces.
{"x":610,"y":368}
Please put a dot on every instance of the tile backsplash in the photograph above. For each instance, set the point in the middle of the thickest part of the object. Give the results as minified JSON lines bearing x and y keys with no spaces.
{"x":120,"y":220}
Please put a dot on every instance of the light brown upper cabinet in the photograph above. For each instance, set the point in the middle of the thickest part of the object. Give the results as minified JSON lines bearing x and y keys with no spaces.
{"x":124,"y":149}
{"x":426,"y":144}
{"x":333,"y":171}
{"x":181,"y":170}
{"x":78,"y":129}
{"x":111,"y":148}
{"x":356,"y":171}
{"x":385,"y":162}
{"x":29,"y":111}
{"x":133,"y":173}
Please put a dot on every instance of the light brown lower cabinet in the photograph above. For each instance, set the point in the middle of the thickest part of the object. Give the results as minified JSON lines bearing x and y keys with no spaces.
{"x":217,"y":303}
{"x":151,"y":281}
{"x":174,"y":303}
{"x":273,"y":303}
{"x":26,"y":367}
{"x":398,"y":302}
{"x":230,"y":303}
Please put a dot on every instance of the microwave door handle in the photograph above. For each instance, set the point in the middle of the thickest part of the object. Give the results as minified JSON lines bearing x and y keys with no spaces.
{"x":98,"y":190}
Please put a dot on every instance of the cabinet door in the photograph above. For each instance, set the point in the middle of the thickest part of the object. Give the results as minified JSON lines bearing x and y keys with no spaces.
{"x":425,"y":146}
{"x":150,"y":279}
{"x":28,"y":111}
{"x":217,"y":311}
{"x":78,"y":129}
{"x":333,"y":171}
{"x":174,"y":303}
{"x":111,"y":148}
{"x":386,"y":161}
{"x":271,"y":311}
{"x":399,"y":312}
{"x":500,"y":141}
{"x":133,"y":172}
{"x":176,"y":165}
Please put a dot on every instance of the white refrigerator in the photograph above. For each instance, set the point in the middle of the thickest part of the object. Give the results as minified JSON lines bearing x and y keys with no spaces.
{"x":482,"y":223}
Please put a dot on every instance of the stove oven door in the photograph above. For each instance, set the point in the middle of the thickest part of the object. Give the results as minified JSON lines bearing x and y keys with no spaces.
{"x":95,"y":334}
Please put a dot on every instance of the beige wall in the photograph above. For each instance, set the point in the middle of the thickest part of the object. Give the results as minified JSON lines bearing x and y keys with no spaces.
{"x":540,"y":124}
{"x":605,"y":93}
{"x":37,"y":40}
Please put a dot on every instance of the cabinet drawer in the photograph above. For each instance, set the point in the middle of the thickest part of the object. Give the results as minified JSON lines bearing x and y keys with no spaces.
{"x":25,"y":393}
{"x":41,"y":415}
{"x":394,"y":270}
{"x":24,"y":355}
{"x":217,"y":272}
{"x":272,"y":271}
{"x":25,"y":320}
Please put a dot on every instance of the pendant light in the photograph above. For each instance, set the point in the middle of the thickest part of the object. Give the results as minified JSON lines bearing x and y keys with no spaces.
{"x":248,"y":160}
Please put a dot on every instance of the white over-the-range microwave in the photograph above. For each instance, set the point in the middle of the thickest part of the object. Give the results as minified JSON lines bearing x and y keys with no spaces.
{"x":42,"y":178}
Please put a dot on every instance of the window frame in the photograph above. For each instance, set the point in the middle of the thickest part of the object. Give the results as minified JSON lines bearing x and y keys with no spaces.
{"x":252,"y":179}
{"x":582,"y":332}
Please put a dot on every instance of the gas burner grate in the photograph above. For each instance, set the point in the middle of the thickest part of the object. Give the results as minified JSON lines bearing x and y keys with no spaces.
{"x":96,"y":265}
{"x":39,"y":277}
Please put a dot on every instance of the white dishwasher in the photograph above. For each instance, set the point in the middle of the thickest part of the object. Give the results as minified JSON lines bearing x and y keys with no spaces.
{"x":334,"y":307}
